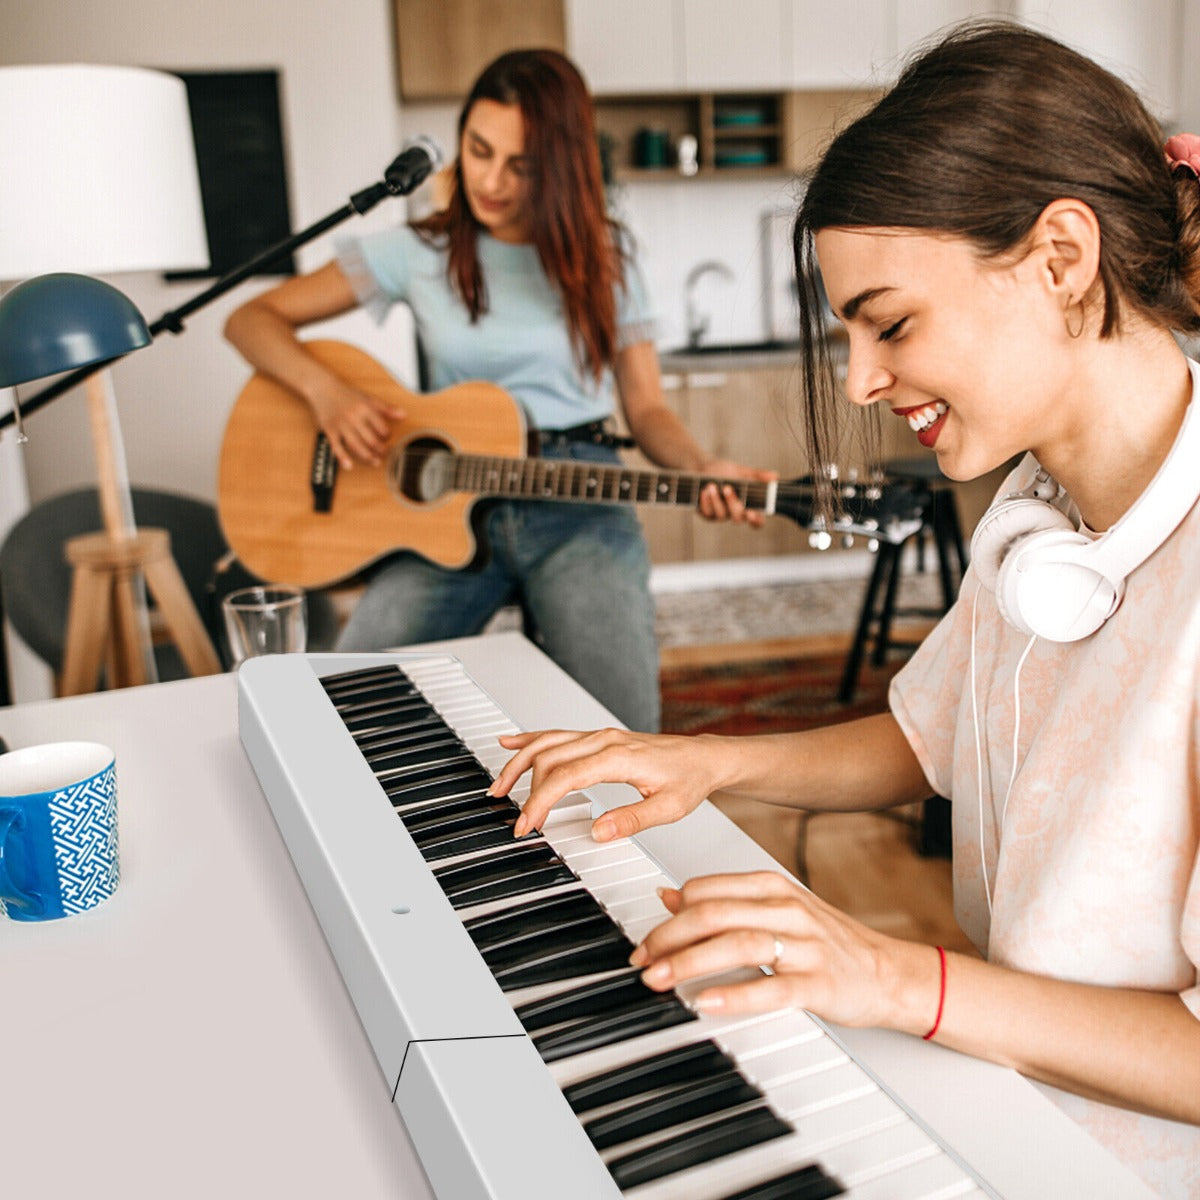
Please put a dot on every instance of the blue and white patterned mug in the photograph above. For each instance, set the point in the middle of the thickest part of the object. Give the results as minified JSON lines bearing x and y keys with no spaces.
{"x":58,"y":830}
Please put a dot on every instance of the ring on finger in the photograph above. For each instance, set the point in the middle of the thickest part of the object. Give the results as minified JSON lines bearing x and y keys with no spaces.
{"x":778,"y":954}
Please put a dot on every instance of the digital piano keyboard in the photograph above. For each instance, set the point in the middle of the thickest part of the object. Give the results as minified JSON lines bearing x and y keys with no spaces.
{"x":525,"y":1057}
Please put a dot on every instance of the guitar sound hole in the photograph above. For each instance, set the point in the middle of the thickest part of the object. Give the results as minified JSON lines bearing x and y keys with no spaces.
{"x":422,"y":472}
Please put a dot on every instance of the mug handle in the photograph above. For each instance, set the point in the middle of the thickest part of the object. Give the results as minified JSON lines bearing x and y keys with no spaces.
{"x":12,"y":819}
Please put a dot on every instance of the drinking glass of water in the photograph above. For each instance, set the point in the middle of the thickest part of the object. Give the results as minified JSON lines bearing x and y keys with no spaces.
{"x":271,"y":619}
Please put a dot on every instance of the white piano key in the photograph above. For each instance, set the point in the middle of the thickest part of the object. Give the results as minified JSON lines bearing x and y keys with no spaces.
{"x":938,"y":1178}
{"x":608,"y":875}
{"x":638,"y":929}
{"x":824,"y":1087}
{"x":572,"y":810}
{"x":773,"y":1032}
{"x":644,"y":907}
{"x":787,"y":1068}
{"x":573,"y":839}
{"x":879,"y":1155}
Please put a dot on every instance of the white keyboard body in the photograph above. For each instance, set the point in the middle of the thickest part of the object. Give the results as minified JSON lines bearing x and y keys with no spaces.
{"x":485,"y":1112}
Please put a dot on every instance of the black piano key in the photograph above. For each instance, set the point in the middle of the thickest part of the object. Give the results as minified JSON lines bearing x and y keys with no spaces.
{"x":440,"y":753}
{"x":428,"y":810}
{"x":393,"y":691}
{"x":517,"y":870}
{"x":586,"y":1001}
{"x":697,"y":1060}
{"x":429,"y":743}
{"x":486,"y":816}
{"x":721,"y":1093}
{"x":807,"y":1183}
{"x":410,"y":772}
{"x":534,"y":879}
{"x":647,"y":1017}
{"x":418,"y":788}
{"x":376,"y":716}
{"x":403,"y":733}
{"x":432,"y":816}
{"x":345,"y":681}
{"x":706,"y":1142}
{"x":535,"y":916}
{"x":528,"y":944}
{"x":443,"y":847}
{"x":605,"y":949}
{"x":374,"y":690}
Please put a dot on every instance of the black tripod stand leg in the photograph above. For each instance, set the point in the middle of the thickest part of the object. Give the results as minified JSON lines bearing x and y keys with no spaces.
{"x":879,"y":574}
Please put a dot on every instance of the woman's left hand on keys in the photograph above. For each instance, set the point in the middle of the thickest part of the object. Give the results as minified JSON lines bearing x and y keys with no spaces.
{"x":821,"y":959}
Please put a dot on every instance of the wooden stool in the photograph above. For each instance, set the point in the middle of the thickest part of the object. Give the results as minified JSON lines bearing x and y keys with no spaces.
{"x":103,"y":618}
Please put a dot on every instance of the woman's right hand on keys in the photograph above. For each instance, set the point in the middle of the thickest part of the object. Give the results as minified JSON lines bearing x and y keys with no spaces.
{"x":672,"y":773}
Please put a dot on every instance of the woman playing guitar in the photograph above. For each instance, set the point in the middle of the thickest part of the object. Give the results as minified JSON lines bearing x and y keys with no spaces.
{"x":524,"y":281}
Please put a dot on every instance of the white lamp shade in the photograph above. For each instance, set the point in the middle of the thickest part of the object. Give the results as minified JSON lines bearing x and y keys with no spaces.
{"x":97,"y":172}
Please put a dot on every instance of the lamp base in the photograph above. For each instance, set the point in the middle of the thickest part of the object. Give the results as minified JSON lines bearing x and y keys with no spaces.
{"x":102,"y":616}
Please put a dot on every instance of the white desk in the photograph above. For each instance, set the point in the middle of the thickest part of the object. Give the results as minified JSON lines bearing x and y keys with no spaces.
{"x":192,"y":1037}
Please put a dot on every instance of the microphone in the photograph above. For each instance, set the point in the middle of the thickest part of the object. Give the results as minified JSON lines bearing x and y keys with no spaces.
{"x":418,"y":157}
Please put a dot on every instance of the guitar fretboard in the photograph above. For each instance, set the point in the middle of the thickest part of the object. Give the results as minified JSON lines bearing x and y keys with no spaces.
{"x":431,"y":473}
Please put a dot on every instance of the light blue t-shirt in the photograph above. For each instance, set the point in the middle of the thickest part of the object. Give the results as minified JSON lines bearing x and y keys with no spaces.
{"x":520,"y":343}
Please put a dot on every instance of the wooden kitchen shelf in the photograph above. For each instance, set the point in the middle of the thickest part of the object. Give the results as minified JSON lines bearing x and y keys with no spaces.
{"x":786,"y":129}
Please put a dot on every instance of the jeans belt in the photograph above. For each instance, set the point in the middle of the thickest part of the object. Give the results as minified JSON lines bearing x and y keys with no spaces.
{"x":594,"y":432}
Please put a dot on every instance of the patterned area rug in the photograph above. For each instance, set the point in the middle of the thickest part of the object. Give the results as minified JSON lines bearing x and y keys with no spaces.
{"x":769,"y":696}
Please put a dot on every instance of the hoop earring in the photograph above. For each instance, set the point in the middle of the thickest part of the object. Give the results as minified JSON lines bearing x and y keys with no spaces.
{"x":1074,"y":333}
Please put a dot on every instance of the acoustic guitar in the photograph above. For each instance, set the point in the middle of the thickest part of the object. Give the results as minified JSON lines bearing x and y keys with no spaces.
{"x":289,"y":513}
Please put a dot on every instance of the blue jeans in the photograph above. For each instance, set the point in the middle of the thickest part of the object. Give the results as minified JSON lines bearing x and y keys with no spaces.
{"x":579,"y":571}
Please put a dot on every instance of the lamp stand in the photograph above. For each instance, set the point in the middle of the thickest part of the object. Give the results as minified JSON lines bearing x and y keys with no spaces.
{"x":106,"y":619}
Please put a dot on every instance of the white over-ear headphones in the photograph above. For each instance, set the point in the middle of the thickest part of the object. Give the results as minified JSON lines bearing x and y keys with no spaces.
{"x":1053,"y":581}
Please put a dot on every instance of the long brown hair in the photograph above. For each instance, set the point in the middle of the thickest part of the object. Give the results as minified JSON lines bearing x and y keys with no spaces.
{"x":978,"y":136}
{"x":578,"y":245}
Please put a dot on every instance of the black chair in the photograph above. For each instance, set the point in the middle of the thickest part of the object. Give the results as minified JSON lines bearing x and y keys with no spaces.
{"x":939,"y":525}
{"x":35,"y":578}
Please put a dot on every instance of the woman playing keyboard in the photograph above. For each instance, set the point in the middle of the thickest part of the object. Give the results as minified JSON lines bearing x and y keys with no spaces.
{"x":1012,"y":254}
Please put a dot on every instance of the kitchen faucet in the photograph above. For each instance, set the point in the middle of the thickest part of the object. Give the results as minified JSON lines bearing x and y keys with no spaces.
{"x":697,"y":322}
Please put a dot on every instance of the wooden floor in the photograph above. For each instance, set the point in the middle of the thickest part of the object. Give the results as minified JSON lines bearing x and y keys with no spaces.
{"x":866,"y":864}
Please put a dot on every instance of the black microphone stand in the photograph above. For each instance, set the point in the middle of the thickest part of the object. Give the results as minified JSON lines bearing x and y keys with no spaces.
{"x":393,"y":184}
{"x":172,"y":321}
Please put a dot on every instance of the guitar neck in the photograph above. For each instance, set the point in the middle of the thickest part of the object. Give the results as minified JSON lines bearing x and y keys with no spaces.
{"x":565,"y":479}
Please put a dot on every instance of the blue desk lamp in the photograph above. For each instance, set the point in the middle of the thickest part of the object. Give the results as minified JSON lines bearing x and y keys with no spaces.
{"x":60,"y":322}
{"x":100,"y":178}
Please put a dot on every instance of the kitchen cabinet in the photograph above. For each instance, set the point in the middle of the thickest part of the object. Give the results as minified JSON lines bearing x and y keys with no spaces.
{"x":1139,"y":42}
{"x":919,"y":20}
{"x":653,"y":46}
{"x":442,"y":45}
{"x":734,"y":44}
{"x":848,"y":44}
{"x":657,"y":46}
{"x":625,"y":46}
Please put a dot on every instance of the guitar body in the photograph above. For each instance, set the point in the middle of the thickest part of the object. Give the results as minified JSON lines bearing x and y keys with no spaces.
{"x":291,"y":516}
{"x":265,"y":498}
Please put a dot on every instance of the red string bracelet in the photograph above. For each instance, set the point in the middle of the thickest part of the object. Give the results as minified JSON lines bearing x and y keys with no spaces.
{"x":941,"y":996}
